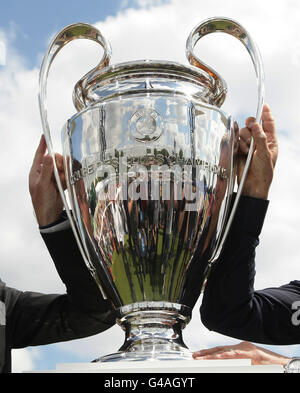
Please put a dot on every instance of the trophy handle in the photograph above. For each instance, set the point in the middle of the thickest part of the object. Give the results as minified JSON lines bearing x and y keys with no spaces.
{"x":229,"y":26}
{"x":68,"y":34}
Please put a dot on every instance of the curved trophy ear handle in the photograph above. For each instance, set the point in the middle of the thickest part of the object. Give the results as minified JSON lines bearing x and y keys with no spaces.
{"x":229,"y":26}
{"x":68,"y":34}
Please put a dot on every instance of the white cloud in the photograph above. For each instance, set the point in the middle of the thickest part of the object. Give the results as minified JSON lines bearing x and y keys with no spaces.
{"x":24,"y":359}
{"x":159,"y":33}
{"x":143,"y":3}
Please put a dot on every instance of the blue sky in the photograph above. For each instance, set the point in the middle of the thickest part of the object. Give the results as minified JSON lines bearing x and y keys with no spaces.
{"x":143,"y":29}
{"x":33,"y":21}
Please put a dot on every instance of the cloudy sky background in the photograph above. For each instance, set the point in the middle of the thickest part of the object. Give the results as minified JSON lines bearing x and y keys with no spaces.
{"x":140,"y":29}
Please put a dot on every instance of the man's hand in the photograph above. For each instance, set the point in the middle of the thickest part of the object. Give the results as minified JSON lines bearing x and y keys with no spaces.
{"x":260,"y":173}
{"x":244,"y":350}
{"x":43,"y":189}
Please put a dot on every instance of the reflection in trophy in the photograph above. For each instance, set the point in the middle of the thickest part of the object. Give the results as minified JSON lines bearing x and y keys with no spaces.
{"x":150,"y":161}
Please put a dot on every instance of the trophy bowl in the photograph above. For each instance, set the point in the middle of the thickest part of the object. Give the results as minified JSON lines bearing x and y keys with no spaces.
{"x":150,"y":162}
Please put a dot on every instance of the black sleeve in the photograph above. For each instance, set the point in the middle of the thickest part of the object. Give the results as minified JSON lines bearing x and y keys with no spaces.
{"x":230,"y":305}
{"x":81,"y":287}
{"x":38,"y":319}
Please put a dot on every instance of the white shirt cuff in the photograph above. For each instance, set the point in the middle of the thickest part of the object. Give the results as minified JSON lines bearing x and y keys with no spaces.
{"x":62,"y":226}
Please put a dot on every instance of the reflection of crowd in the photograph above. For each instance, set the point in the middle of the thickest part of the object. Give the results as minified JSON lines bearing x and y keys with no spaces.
{"x":216,"y":200}
{"x":155,"y":237}
{"x":109,"y":231}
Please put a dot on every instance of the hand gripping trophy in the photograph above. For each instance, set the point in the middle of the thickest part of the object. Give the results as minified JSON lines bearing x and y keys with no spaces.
{"x":150,"y":162}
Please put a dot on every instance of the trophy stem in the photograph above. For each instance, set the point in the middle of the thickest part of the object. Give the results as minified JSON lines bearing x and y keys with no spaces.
{"x":153,"y":332}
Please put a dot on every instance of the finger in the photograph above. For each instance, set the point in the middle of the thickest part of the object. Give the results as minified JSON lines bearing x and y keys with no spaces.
{"x":209,"y":351}
{"x":222,"y":355}
{"x":268,"y":120}
{"x":245,"y":137}
{"x":59,"y":162}
{"x":259,"y":137}
{"x":249,"y":122}
{"x":47,"y":169}
{"x":60,"y":167}
{"x":245,"y":134}
{"x":39,"y":154}
{"x":62,"y":178}
{"x":243,"y":147}
{"x":208,"y":357}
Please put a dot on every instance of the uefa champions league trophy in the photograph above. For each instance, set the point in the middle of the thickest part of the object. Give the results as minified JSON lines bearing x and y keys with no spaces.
{"x":150,"y":162}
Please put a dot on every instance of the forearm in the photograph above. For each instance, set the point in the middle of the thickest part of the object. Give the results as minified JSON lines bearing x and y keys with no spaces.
{"x":81,"y":287}
{"x":39,"y":319}
{"x":228,"y":297}
{"x":266,"y":317}
{"x":231,"y":306}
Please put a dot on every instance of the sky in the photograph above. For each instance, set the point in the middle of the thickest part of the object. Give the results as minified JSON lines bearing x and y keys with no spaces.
{"x":141,"y":29}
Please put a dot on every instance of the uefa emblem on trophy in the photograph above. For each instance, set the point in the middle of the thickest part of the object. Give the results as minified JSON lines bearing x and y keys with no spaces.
{"x":150,"y":163}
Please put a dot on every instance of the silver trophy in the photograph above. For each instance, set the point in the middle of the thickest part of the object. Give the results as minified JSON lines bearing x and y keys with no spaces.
{"x":150,"y":162}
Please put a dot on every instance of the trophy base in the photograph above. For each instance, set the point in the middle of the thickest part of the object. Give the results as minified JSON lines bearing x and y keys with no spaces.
{"x":153,"y":332}
{"x":150,"y":351}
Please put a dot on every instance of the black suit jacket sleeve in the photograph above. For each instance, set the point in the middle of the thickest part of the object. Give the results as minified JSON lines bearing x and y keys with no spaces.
{"x":230,"y":304}
{"x":82,"y":289}
{"x":36,"y":319}
{"x":39,"y":319}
